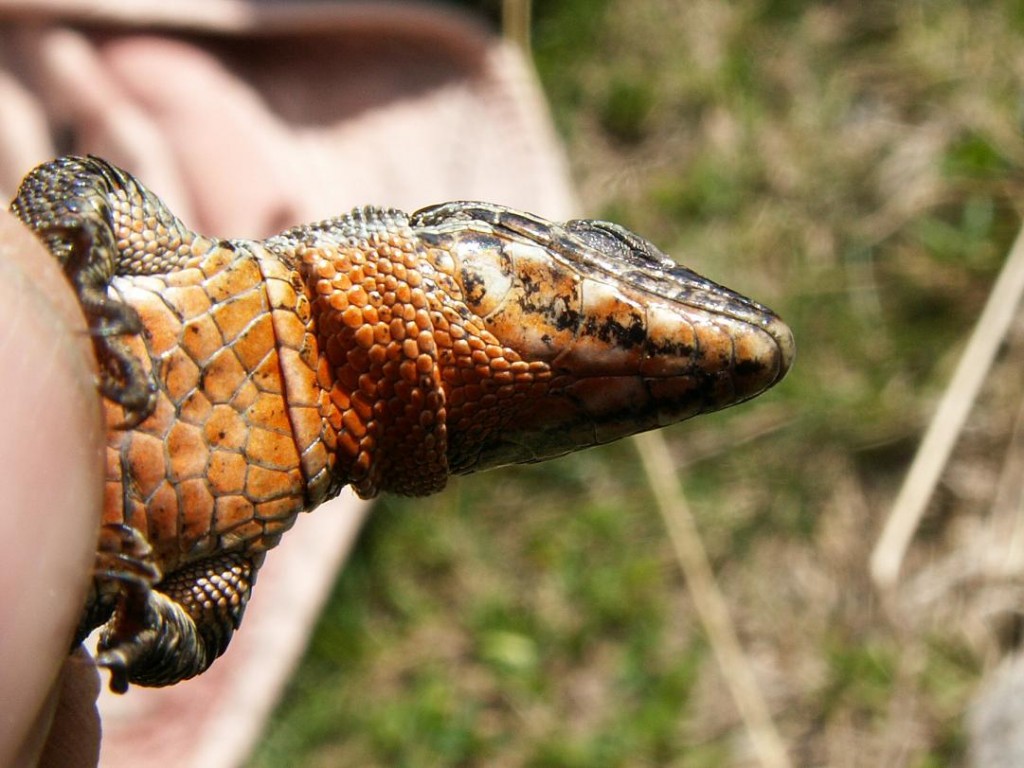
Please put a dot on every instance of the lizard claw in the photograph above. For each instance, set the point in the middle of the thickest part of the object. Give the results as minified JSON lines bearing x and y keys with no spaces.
{"x":115,"y":662}
{"x":125,"y":382}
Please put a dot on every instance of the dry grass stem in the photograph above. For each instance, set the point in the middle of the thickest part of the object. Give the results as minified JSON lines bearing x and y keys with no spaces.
{"x":949,"y":419}
{"x":709,"y":601}
{"x":515,"y":22}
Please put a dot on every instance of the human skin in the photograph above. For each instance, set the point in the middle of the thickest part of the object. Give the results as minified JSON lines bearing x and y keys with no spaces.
{"x":51,"y":492}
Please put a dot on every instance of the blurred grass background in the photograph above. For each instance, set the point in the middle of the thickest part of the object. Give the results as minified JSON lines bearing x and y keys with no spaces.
{"x":857,"y":167}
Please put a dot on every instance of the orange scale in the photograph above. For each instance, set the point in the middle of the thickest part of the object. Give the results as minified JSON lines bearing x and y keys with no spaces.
{"x":352,"y":317}
{"x":271,"y":450}
{"x":363,"y":405}
{"x":358,"y":359}
{"x":410,"y":348}
{"x":223,"y":376}
{"x":357,"y":295}
{"x":197,"y":502}
{"x":242,"y":275}
{"x":146,"y":457}
{"x":364,"y":336}
{"x":362,"y":463}
{"x":343,"y":280}
{"x":253,"y":346}
{"x":378,"y":355}
{"x":442,"y":339}
{"x":201,"y":338}
{"x":195,"y":409}
{"x":368,"y":385}
{"x":381,"y":333}
{"x":234,"y":316}
{"x":348,"y":377}
{"x":163,"y":327}
{"x":181,"y":376}
{"x":324,"y":374}
{"x":451,"y":376}
{"x":408,"y":371}
{"x":425,"y":364}
{"x":353,"y":424}
{"x":229,"y":512}
{"x":187,"y":450}
{"x":336,"y":348}
{"x":403,"y":293}
{"x":502,"y":378}
{"x":419,"y":298}
{"x":348,"y":445}
{"x":263,"y":484}
{"x":269,"y":411}
{"x":397,"y":329}
{"x":331,"y":423}
{"x":226,"y":473}
{"x":161,"y":515}
{"x":280,"y":292}
{"x":196,"y":247}
{"x":423,"y":321}
{"x":277,"y":514}
{"x":325,"y":270}
{"x":240,"y":535}
{"x":337,"y":300}
{"x":425,"y":342}
{"x":225,"y":428}
{"x":341,"y":397}
{"x":505,"y":391}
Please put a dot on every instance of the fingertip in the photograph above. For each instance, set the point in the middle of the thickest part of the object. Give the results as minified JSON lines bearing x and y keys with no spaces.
{"x":51,"y":476}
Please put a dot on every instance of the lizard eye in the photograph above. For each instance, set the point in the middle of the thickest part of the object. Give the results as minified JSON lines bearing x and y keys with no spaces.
{"x":618,"y":244}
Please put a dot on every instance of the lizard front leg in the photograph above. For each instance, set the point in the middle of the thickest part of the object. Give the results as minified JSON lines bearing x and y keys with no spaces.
{"x":72,"y":206}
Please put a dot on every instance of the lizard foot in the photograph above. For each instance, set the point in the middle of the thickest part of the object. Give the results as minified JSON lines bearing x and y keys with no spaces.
{"x":87,"y":260}
{"x":175,"y":629}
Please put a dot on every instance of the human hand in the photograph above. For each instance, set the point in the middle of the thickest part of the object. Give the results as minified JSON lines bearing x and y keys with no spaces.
{"x":51,"y":494}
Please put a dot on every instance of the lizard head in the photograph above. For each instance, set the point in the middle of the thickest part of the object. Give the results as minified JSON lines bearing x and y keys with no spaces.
{"x":563,"y":336}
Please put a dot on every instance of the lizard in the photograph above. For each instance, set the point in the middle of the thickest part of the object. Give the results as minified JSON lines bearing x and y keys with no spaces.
{"x":246,"y":381}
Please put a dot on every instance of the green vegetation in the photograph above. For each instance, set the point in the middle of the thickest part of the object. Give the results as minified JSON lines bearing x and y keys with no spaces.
{"x":856,"y":166}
